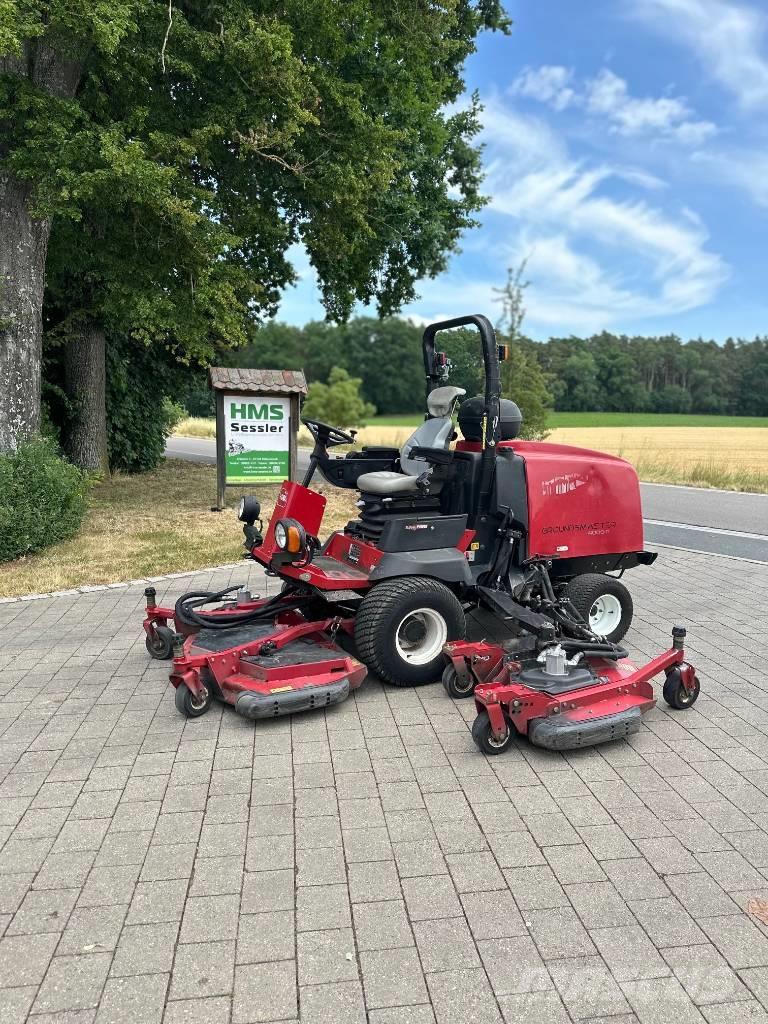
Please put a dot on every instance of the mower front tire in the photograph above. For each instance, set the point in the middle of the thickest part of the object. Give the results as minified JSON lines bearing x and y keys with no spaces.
{"x":484,"y":738}
{"x":603,"y":602}
{"x":401,"y":628}
{"x":160,"y":643}
{"x":189,"y":705}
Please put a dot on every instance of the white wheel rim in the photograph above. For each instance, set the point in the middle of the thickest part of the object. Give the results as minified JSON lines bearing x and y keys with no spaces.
{"x":605,"y":614}
{"x":425,"y":648}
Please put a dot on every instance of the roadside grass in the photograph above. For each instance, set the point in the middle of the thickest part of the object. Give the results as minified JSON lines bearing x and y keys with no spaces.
{"x":707,"y":473}
{"x":196,"y":426}
{"x":152,"y":524}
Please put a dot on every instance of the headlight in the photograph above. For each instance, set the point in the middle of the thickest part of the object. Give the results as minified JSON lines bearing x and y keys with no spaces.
{"x":249,"y":509}
{"x":291,"y":536}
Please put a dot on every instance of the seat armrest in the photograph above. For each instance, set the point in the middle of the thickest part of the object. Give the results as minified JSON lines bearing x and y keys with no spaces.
{"x":380,"y":451}
{"x":435,"y":456}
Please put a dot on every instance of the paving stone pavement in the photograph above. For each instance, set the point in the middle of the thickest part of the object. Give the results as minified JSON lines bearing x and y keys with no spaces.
{"x":368,"y":864}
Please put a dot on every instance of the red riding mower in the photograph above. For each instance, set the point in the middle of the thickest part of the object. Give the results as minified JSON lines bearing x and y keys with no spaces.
{"x":515,"y":538}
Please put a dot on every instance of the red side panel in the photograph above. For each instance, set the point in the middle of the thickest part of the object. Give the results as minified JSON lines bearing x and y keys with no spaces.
{"x":293,"y":502}
{"x":580,"y":502}
{"x":353,"y":552}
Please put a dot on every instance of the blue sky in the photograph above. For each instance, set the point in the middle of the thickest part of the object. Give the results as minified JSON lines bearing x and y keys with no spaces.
{"x":626,"y":153}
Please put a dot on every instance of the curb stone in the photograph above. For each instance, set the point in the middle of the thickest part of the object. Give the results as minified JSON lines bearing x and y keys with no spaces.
{"x":92,"y":588}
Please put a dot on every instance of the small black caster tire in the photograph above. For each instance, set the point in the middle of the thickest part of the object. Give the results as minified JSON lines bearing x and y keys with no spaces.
{"x":483,"y":737}
{"x":452,"y":685}
{"x":188,"y":704}
{"x":676,"y":695}
{"x":160,"y":643}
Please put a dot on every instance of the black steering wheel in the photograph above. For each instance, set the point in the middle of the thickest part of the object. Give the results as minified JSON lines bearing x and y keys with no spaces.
{"x":328,"y":436}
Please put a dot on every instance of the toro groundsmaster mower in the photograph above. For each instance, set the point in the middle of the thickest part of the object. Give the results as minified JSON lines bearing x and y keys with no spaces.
{"x":519,"y":542}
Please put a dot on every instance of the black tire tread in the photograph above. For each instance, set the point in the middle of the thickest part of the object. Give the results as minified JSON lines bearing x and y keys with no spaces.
{"x":481,"y":728}
{"x":376,"y":603}
{"x":582,"y":591}
{"x":165,"y":651}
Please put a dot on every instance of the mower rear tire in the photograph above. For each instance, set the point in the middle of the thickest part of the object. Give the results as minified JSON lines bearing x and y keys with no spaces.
{"x":484,"y":738}
{"x":401,"y":628}
{"x":454,"y":687}
{"x":189,"y":705}
{"x":676,"y":695}
{"x":603,"y":602}
{"x":160,"y":643}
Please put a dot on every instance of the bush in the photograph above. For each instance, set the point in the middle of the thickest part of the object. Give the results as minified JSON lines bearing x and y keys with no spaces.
{"x":42,"y":499}
{"x":139,"y":416}
{"x":338,"y":402}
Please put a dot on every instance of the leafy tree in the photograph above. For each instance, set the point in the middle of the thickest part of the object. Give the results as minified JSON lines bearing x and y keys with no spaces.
{"x":338,"y":402}
{"x":179,"y":150}
{"x":521,"y":376}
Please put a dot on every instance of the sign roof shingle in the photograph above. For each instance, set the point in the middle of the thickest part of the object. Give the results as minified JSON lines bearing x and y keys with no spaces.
{"x":257,"y":382}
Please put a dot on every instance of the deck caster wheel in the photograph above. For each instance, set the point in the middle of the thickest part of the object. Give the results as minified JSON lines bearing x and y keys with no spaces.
{"x":454,"y":686}
{"x":160,"y":643}
{"x":484,"y":738}
{"x":676,"y":694}
{"x":188,"y":704}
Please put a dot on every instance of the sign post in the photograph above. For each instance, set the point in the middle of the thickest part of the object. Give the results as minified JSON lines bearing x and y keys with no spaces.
{"x":257,"y":418}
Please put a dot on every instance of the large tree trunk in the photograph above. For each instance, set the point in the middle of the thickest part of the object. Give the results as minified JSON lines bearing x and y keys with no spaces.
{"x":23,"y":245}
{"x":85,"y":384}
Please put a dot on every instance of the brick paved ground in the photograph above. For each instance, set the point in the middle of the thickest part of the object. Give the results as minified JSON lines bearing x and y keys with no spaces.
{"x":369,"y":863}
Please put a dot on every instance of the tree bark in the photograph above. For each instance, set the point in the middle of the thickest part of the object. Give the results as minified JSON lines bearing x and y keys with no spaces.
{"x":23,"y":246}
{"x":85,"y":383}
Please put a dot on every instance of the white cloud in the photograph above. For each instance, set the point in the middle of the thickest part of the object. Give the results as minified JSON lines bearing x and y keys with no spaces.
{"x":595,"y":258}
{"x":669,"y":116}
{"x":548,"y":84}
{"x":607,"y":97}
{"x":729,"y":39}
{"x":746,"y":169}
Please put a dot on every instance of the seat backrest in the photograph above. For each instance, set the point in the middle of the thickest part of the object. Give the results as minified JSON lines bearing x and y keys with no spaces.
{"x":441,"y":401}
{"x":434,"y":433}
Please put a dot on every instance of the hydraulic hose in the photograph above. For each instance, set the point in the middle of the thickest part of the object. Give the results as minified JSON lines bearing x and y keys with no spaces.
{"x":185,"y":609}
{"x":613,"y":652}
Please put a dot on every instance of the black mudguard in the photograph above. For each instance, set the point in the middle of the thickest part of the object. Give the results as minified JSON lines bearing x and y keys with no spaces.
{"x":446,"y":564}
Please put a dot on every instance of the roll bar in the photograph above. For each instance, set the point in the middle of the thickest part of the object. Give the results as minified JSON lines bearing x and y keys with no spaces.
{"x":492,"y":431}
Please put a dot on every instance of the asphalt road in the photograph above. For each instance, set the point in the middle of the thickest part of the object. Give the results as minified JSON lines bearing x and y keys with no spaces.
{"x":718,"y":522}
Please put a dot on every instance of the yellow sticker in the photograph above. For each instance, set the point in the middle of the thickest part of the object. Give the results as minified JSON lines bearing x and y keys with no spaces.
{"x":475,"y":545}
{"x":281,"y":689}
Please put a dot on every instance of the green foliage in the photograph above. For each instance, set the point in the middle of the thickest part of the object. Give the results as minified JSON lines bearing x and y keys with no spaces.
{"x":140,"y":416}
{"x":173,"y":413}
{"x":338,"y":402}
{"x":659,"y":374}
{"x":42,"y":499}
{"x":523,"y":381}
{"x":204,"y":140}
{"x":605,"y":372}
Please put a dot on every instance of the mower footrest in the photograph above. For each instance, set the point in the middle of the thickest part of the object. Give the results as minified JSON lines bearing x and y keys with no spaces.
{"x":561,"y":733}
{"x":271,"y":705}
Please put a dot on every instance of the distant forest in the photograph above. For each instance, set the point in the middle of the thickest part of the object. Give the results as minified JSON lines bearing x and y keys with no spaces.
{"x":605,"y":372}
